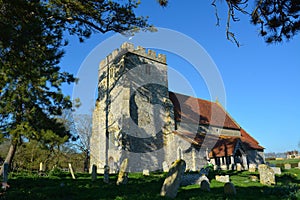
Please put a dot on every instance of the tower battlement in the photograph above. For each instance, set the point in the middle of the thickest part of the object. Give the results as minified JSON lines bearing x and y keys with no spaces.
{"x":139,"y":50}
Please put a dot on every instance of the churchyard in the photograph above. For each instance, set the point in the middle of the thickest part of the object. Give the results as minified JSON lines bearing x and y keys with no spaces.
{"x":58,"y":184}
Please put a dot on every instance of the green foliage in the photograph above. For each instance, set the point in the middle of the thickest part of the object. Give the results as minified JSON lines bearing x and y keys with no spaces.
{"x":31,"y":47}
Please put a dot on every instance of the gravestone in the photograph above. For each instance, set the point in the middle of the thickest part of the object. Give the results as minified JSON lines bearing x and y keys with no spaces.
{"x":71,"y":171}
{"x":299,"y":165}
{"x":238,"y":167}
{"x":165,"y":166}
{"x":277,"y":170}
{"x":205,"y":186}
{"x":42,"y":167}
{"x":229,"y":189}
{"x":266,"y":175}
{"x":146,"y":172}
{"x":287,"y":166}
{"x":223,"y":179}
{"x":252,"y":168}
{"x":123,"y":174}
{"x":94,"y":173}
{"x":106,"y":174}
{"x":223,"y":167}
{"x":173,"y":179}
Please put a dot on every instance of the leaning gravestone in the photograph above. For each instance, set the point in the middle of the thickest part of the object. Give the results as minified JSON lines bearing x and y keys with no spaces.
{"x":123,"y":174}
{"x":277,"y":170}
{"x":287,"y":166}
{"x":94,"y":173}
{"x":266,"y":175}
{"x":229,"y":189}
{"x":71,"y":171}
{"x":223,"y":179}
{"x":173,"y":179}
{"x":205,"y":186}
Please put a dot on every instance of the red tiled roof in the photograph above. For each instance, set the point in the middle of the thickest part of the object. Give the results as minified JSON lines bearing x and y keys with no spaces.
{"x":193,"y":110}
{"x":249,"y":142}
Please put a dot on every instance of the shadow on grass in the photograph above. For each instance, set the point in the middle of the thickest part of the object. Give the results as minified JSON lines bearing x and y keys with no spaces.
{"x":142,"y":187}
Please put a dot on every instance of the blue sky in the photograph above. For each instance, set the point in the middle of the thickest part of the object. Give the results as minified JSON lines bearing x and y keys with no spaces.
{"x":261,"y":81}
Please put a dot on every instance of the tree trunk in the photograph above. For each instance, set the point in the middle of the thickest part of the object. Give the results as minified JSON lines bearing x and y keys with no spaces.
{"x":9,"y":156}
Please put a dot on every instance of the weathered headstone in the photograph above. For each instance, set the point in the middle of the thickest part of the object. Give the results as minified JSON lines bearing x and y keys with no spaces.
{"x":277,"y":170}
{"x":146,"y":172}
{"x":266,"y":175}
{"x":229,"y":189}
{"x":165,"y":166}
{"x":94,"y":173}
{"x":223,"y":179}
{"x":252,"y":167}
{"x":204,"y":185}
{"x":173,"y":179}
{"x":71,"y":171}
{"x":223,"y":167}
{"x":287,"y":166}
{"x":106,"y":174}
{"x":238,"y":167}
{"x":123,"y":174}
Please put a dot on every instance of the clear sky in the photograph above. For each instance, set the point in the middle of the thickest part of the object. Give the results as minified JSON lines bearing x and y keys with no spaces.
{"x":261,"y":81}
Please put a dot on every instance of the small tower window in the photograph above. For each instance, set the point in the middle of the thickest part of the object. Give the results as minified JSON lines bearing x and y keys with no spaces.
{"x":111,"y":72}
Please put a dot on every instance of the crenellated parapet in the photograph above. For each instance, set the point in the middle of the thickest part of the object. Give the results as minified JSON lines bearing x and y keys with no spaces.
{"x":139,"y":50}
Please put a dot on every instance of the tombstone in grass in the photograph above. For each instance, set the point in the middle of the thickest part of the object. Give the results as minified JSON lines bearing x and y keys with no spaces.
{"x":173,"y":179}
{"x":229,"y":189}
{"x":222,"y":179}
{"x":277,"y":170}
{"x":252,"y":167}
{"x":123,"y":174}
{"x":146,"y":172}
{"x":238,"y":167}
{"x":287,"y":166}
{"x":106,"y":174}
{"x":299,"y":165}
{"x":205,"y":185}
{"x":71,"y":171}
{"x":266,"y":175}
{"x":94,"y":172}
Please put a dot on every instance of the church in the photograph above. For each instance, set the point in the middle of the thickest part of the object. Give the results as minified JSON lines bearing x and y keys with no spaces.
{"x":137,"y":117}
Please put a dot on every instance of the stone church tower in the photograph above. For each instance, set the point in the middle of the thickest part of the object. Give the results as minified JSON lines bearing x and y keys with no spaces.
{"x":132,"y":117}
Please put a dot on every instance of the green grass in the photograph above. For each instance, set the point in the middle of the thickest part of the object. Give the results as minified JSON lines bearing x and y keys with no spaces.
{"x":62,"y":187}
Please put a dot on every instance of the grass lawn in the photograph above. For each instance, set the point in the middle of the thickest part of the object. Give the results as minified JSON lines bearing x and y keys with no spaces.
{"x":61,"y":186}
